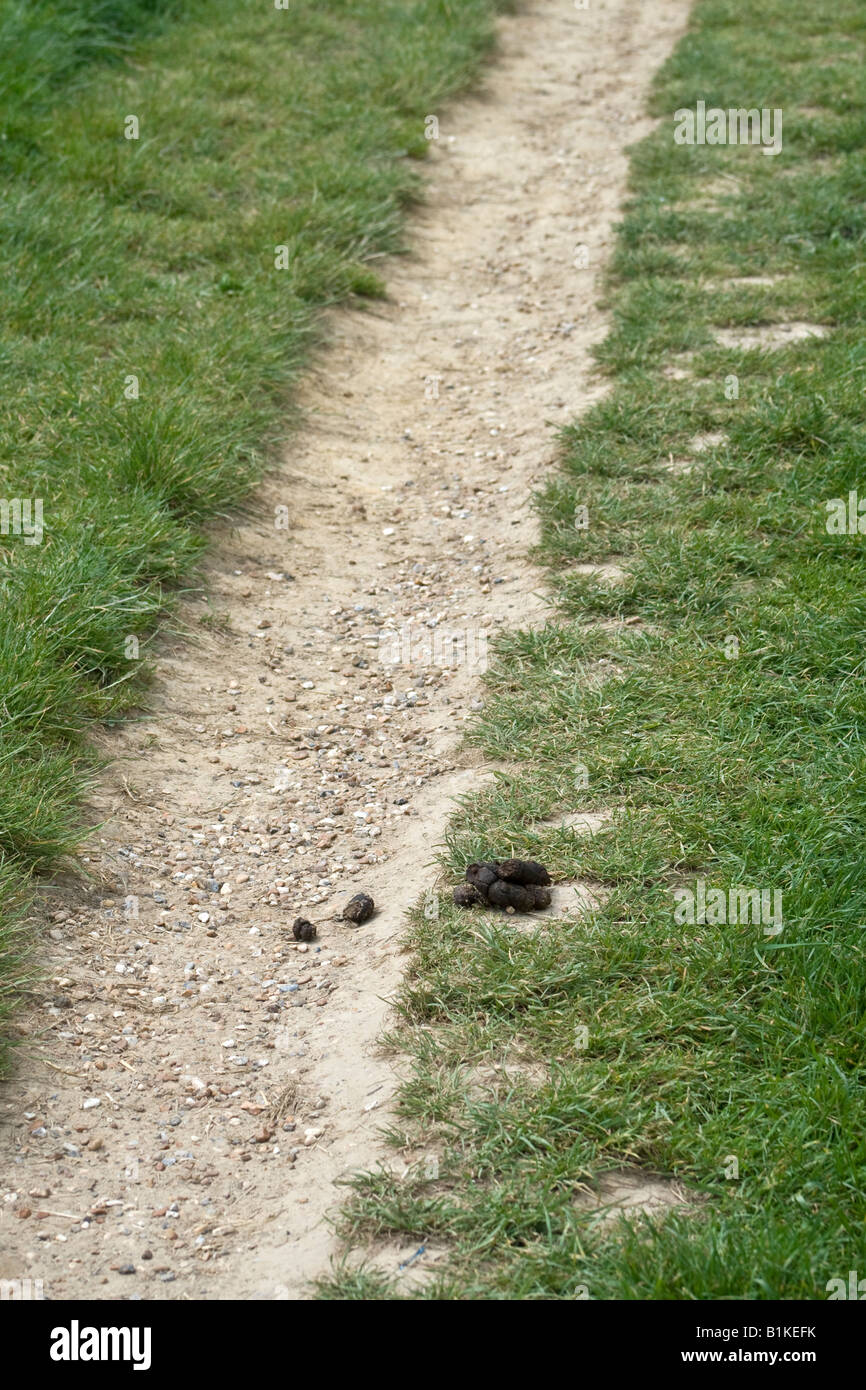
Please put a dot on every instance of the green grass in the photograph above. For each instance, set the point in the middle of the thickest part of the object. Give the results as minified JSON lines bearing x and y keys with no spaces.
{"x":155,"y":258}
{"x":739,"y":763}
{"x":47,"y":45}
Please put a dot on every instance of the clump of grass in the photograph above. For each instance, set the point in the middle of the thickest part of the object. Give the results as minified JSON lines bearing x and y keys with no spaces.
{"x":723,"y":728}
{"x":46,"y":45}
{"x":152,"y":326}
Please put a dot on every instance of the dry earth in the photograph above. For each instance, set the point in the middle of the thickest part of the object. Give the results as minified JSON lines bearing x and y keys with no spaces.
{"x":198,"y":1083}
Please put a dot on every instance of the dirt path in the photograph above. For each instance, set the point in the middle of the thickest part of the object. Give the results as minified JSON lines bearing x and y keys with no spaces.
{"x":199,"y":1082}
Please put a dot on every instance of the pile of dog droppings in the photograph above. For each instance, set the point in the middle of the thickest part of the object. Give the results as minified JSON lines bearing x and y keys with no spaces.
{"x":515,"y":885}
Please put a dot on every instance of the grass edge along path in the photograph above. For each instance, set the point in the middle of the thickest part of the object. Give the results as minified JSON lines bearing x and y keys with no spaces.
{"x":176,"y":211}
{"x":711,"y":705}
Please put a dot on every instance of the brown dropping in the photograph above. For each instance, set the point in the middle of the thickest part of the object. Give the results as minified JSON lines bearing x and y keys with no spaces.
{"x":467,"y":895}
{"x":518,"y":897}
{"x":524,"y":871}
{"x":359,"y":909}
{"x":302,"y":930}
{"x":482,"y":875}
{"x":511,"y":895}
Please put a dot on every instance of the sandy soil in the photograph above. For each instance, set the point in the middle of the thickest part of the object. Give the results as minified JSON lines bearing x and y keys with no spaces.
{"x":198,"y":1083}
